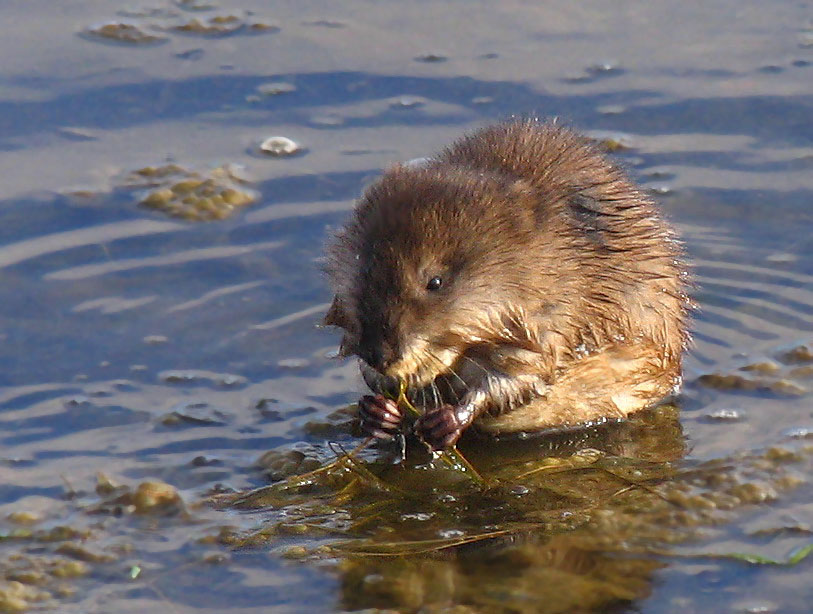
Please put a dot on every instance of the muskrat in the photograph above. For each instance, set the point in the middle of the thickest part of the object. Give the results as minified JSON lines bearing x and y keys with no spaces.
{"x":517,"y":281}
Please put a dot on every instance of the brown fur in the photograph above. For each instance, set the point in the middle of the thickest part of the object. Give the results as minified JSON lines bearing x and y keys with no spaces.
{"x":563,"y":295}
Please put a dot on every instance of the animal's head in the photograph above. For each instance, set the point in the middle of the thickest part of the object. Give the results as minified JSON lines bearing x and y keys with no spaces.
{"x":428,"y":267}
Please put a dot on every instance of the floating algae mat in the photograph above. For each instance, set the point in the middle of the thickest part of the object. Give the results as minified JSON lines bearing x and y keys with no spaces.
{"x":149,"y":26}
{"x":192,"y":195}
{"x":46,"y":559}
{"x":786,"y":374}
{"x":122,"y":32}
{"x":573,"y":522}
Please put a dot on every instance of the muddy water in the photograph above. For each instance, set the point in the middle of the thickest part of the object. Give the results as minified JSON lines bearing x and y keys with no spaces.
{"x":154,"y":349}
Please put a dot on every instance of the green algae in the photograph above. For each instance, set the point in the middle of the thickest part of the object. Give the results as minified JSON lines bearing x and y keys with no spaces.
{"x":794,"y":557}
{"x":282,"y":463}
{"x":573,"y":523}
{"x":578,"y":521}
{"x":225,"y":24}
{"x":121,"y":32}
{"x":220,"y":25}
{"x":40,"y":565}
{"x":44,"y":565}
{"x":205,"y":21}
{"x":782,"y":375}
{"x":151,"y":497}
{"x":191,"y":195}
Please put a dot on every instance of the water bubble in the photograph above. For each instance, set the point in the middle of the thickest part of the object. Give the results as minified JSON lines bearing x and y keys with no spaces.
{"x":420,"y":516}
{"x":275,"y":88}
{"x":799,"y":432}
{"x":155,"y":339}
{"x":450,"y":533}
{"x":293,"y":363}
{"x":373,"y":578}
{"x":725,"y":415}
{"x":755,"y":606}
{"x":279,"y":146}
{"x":407,"y":102}
{"x":604,"y":67}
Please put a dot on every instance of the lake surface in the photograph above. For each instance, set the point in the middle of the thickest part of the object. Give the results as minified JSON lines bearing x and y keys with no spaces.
{"x":157,"y":350}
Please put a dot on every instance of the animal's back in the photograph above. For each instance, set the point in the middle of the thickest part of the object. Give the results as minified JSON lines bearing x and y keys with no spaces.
{"x":518,"y":281}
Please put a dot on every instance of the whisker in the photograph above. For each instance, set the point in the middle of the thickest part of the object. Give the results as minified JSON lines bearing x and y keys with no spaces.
{"x":449,"y":368}
{"x":423,"y":393}
{"x":435,"y":393}
{"x":443,"y":368}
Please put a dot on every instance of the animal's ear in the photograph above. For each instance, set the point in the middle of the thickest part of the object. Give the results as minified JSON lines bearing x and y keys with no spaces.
{"x":590,"y":215}
{"x":335,"y":315}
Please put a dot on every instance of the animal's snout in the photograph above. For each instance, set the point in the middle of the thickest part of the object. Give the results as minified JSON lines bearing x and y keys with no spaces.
{"x":379,"y":350}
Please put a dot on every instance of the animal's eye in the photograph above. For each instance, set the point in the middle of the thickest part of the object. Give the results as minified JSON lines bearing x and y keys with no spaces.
{"x":434,"y":284}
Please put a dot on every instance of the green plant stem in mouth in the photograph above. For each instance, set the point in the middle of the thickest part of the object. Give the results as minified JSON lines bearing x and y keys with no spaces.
{"x":451,"y":457}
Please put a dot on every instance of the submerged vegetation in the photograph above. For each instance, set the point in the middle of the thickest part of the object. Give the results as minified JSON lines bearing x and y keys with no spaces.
{"x":552,"y":524}
{"x":48,"y":557}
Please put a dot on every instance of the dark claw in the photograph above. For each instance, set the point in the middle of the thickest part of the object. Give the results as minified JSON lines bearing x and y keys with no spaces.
{"x":440,"y":428}
{"x":380,"y":417}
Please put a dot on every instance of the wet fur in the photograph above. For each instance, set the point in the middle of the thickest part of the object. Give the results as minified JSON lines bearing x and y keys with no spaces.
{"x":564,"y":292}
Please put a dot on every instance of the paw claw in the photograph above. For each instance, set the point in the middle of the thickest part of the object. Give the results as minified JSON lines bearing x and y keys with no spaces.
{"x":440,"y":428}
{"x":380,"y":417}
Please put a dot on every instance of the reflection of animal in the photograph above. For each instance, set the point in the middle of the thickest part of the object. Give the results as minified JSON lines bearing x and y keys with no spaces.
{"x":517,"y":281}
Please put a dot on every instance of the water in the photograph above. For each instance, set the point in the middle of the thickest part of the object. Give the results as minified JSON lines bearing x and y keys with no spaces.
{"x":112,"y":317}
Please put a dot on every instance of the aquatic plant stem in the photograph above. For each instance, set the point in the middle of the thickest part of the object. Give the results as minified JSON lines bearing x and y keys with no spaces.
{"x":299,"y":480}
{"x":450,"y":457}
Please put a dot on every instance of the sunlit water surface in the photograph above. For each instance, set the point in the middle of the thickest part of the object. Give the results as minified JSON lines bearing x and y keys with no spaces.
{"x":153,"y":349}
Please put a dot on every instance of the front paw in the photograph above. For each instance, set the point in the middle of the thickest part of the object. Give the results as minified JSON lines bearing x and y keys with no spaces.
{"x":380,"y":416}
{"x":441,"y":428}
